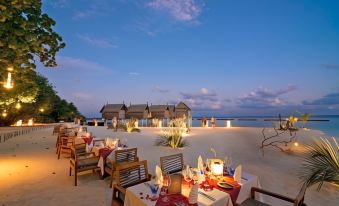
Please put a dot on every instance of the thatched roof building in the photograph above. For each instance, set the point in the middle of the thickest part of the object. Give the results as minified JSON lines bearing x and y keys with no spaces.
{"x":162,"y":111}
{"x":138,"y":111}
{"x":182,"y":110}
{"x":109,"y":111}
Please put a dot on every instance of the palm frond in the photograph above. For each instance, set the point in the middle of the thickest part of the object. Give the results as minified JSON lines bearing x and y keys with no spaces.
{"x":321,"y":163}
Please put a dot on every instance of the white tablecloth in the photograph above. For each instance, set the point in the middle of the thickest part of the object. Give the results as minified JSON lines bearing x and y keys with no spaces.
{"x":132,"y":197}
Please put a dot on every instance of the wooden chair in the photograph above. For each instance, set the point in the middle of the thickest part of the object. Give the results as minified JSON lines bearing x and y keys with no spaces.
{"x":120,"y":156}
{"x":172,"y":163}
{"x":81,"y":161}
{"x":65,"y":144}
{"x":298,"y":201}
{"x":128,"y":174}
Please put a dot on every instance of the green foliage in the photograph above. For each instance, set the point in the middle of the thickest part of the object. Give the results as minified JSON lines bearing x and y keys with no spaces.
{"x":26,"y":33}
{"x":55,"y":108}
{"x":321,"y":163}
{"x":172,"y":137}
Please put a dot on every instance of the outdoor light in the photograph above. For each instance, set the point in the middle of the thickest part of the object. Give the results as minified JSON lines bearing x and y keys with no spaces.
{"x":30,"y":122}
{"x":217,"y":168}
{"x":10,"y":69}
{"x":18,"y":105}
{"x":228,"y":124}
{"x":19,"y":123}
{"x":41,"y":109}
{"x":296,"y":144}
{"x":4,"y":113}
{"x":9,"y":83}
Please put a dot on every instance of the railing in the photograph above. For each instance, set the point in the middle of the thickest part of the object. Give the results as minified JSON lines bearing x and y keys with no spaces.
{"x":5,"y":136}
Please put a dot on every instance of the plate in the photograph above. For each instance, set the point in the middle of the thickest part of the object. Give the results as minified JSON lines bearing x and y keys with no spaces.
{"x":225,"y":185}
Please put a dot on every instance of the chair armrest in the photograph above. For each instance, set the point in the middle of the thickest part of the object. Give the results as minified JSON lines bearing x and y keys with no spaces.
{"x":118,"y":188}
{"x":282,"y":197}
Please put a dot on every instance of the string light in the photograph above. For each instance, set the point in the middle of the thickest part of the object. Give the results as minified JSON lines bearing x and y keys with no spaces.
{"x":4,"y":113}
{"x":9,"y":83}
{"x":41,"y":109}
{"x":18,"y":105}
{"x":296,"y":144}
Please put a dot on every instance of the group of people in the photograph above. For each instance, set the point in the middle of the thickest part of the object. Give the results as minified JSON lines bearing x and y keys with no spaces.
{"x":204,"y":122}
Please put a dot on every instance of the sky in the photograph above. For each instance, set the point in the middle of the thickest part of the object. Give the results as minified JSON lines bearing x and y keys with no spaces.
{"x":221,"y":57}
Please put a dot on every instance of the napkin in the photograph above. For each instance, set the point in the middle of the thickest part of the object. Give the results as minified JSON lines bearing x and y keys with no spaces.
{"x":201,"y":176}
{"x":237,"y":173}
{"x":193,"y":195}
{"x":159,"y":179}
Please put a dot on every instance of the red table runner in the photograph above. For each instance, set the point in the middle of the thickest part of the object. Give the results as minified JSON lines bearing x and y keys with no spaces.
{"x":232,"y":192}
{"x":87,"y":140}
{"x":173,"y":199}
{"x":104,"y":152}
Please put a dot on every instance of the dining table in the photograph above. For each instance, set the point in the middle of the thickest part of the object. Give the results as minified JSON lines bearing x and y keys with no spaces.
{"x":138,"y":194}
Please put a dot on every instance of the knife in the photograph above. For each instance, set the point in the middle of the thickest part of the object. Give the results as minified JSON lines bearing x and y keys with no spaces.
{"x":207,"y":196}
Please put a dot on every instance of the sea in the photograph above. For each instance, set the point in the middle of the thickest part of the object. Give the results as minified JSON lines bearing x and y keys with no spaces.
{"x":329,"y":124}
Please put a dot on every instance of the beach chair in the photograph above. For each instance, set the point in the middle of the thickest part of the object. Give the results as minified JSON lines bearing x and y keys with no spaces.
{"x":81,"y":161}
{"x":172,"y":164}
{"x":128,"y":174}
{"x":120,"y":157}
{"x":298,"y":201}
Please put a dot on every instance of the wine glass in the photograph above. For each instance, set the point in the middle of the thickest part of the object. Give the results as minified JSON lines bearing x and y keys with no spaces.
{"x":164,"y":189}
{"x":188,"y":176}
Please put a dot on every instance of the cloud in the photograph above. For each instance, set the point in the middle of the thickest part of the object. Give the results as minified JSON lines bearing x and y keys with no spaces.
{"x":58,"y":3}
{"x":160,"y":90}
{"x":66,"y":62}
{"x":96,"y":8}
{"x":331,"y":66}
{"x":265,"y":98}
{"x":97,"y":42}
{"x":204,"y":99}
{"x":327,"y":100}
{"x":133,"y":73}
{"x":181,"y":10}
{"x":82,"y":96}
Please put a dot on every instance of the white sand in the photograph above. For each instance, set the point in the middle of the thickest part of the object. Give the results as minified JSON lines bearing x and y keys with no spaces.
{"x":37,"y":185}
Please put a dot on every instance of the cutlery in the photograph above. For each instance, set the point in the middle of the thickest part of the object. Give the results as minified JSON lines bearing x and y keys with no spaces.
{"x":207,"y":196}
{"x":244,"y":178}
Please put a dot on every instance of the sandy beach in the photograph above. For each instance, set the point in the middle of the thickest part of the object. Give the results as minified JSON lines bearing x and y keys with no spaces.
{"x":31,"y":174}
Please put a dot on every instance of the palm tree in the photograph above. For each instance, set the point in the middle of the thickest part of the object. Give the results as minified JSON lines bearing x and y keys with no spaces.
{"x":321,"y":163}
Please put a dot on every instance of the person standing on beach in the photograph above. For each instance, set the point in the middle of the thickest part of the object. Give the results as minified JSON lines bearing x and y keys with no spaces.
{"x":213,"y":122}
{"x":115,"y":124}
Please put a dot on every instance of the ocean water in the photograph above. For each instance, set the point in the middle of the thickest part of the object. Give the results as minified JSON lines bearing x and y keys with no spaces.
{"x":328,"y":124}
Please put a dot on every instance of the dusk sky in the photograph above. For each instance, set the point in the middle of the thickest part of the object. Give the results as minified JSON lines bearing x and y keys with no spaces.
{"x":250,"y":57}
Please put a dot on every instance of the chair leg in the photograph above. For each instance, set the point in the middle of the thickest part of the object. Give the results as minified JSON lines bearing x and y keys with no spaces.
{"x":111,"y":182}
{"x":59,"y":153}
{"x":70,"y":171}
{"x":75,"y":178}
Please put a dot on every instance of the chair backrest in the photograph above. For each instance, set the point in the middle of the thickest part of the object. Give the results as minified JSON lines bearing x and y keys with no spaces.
{"x":126,"y":155}
{"x":299,"y":200}
{"x":132,"y":173}
{"x":172,"y":163}
{"x":97,"y":142}
{"x":78,"y":150}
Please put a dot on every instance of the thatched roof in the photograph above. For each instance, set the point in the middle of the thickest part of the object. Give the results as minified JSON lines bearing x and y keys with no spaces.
{"x":113,"y":108}
{"x":137,"y":108}
{"x":182,"y":106}
{"x":158,"y":108}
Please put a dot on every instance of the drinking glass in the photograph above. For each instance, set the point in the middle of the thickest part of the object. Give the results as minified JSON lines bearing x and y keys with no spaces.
{"x":164,"y":189}
{"x":154,"y":190}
